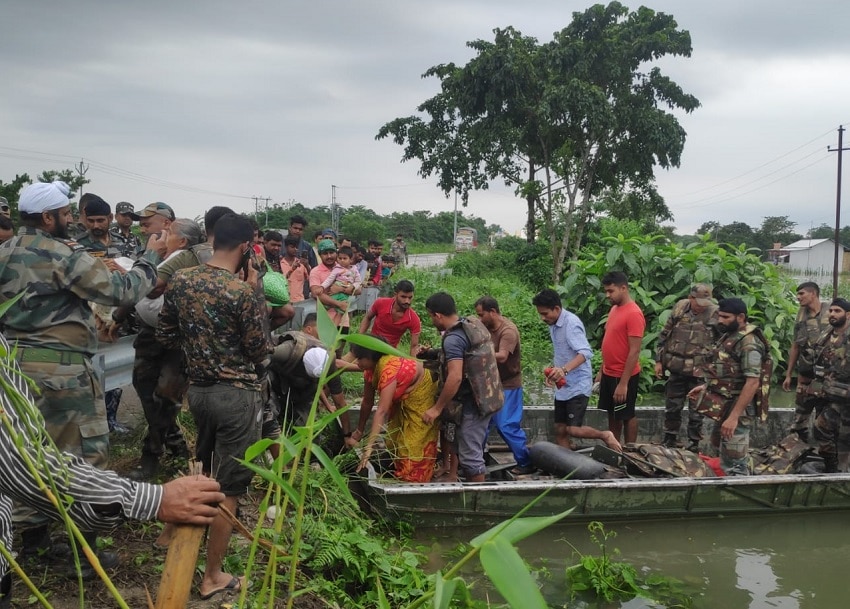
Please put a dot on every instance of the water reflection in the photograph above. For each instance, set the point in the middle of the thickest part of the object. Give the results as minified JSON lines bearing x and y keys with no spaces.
{"x":765,"y":562}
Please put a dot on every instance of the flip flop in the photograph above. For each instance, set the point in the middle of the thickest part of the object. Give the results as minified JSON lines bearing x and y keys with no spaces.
{"x":234,"y":585}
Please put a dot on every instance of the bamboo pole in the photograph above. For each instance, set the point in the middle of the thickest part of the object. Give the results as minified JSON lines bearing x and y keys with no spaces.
{"x":180,"y":562}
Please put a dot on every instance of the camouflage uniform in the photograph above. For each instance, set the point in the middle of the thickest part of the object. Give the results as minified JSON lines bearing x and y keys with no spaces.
{"x":808,"y":329}
{"x":830,"y":393}
{"x":98,"y":249}
{"x":130,"y":246}
{"x":159,"y":375}
{"x":398,"y":250}
{"x":683,"y":344}
{"x":54,"y":327}
{"x":217,"y":321}
{"x":736,"y":356}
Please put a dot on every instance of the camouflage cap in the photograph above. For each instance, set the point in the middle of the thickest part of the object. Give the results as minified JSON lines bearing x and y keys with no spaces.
{"x":124,"y":208}
{"x":155,"y":209}
{"x":702,"y":294}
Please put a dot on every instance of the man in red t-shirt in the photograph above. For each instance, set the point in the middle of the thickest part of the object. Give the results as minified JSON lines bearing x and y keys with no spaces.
{"x":618,"y":378}
{"x":394,"y":316}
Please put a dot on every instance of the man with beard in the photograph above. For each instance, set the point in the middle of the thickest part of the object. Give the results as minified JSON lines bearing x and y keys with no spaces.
{"x":97,"y":239}
{"x":53,"y":325}
{"x":830,"y":390}
{"x":391,"y":317}
{"x":731,"y":394}
{"x":273,"y":244}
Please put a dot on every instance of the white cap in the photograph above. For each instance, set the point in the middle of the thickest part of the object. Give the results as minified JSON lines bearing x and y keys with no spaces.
{"x":314,"y":361}
{"x":44,"y":196}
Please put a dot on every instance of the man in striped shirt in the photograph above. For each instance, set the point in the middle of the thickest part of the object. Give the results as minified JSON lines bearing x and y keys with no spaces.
{"x":96,"y":499}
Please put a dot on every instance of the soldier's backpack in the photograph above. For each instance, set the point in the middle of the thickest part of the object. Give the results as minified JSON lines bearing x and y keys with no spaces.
{"x":657,"y":461}
{"x":480,"y":368}
{"x":786,"y":457}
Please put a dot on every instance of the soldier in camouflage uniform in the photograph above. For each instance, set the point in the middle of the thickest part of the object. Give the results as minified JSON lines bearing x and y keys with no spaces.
{"x":53,"y":323}
{"x":812,"y":321}
{"x":734,"y":383}
{"x":217,"y":320}
{"x":683,"y":343}
{"x":99,"y":243}
{"x":829,"y":389}
{"x":122,"y":234}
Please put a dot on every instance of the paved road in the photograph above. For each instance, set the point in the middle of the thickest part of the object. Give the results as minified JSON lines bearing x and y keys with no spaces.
{"x":422,"y":261}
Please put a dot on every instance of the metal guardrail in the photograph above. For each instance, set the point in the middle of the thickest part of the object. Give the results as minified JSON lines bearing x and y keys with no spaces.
{"x":113,"y":362}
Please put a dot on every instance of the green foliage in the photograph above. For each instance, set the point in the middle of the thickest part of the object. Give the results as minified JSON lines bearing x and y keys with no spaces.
{"x":11,"y":190}
{"x":610,"y":580}
{"x":660,"y":273}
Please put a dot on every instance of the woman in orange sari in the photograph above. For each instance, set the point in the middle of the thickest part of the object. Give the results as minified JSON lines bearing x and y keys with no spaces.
{"x":405,"y":390}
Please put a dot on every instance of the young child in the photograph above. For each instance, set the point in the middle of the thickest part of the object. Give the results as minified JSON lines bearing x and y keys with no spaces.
{"x":344,"y":274}
{"x":388,"y":268}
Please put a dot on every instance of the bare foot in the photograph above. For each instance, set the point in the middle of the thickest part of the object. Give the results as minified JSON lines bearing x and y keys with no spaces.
{"x":611,"y":441}
{"x":439,"y":471}
{"x":165,"y":537}
{"x":445,"y":477}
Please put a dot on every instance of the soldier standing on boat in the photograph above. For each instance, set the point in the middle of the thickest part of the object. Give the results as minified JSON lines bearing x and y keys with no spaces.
{"x":812,"y":321}
{"x":736,"y":374}
{"x":829,"y":390}
{"x":683,"y":343}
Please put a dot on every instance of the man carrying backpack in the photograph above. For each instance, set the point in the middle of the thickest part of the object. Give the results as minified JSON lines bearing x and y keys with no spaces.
{"x":470,"y":377}
{"x":734,"y":391}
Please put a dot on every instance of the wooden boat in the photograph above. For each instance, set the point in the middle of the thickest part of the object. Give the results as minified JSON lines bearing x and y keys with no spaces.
{"x":486,"y":503}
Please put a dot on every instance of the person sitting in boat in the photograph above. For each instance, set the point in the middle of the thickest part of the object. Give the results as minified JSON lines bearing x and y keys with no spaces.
{"x":405,"y":392}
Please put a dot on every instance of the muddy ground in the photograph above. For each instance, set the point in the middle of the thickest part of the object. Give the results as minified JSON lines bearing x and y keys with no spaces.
{"x":141,"y":563}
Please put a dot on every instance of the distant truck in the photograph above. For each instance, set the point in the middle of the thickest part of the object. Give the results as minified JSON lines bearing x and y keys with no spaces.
{"x":466,"y":239}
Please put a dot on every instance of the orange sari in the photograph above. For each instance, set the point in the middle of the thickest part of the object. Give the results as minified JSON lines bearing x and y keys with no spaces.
{"x":411,"y":441}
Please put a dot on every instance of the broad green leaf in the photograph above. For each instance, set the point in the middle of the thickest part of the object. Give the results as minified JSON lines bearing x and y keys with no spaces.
{"x":272,"y":477}
{"x":375,"y":344}
{"x":444,"y":591}
{"x":8,"y":303}
{"x":518,"y":529}
{"x":327,"y":329}
{"x":258,"y":448}
{"x":510,"y":575}
{"x":331,"y":468}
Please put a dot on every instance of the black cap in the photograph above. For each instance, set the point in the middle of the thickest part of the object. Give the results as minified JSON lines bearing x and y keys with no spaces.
{"x":94,"y":205}
{"x":841,"y":302}
{"x":735,"y":306}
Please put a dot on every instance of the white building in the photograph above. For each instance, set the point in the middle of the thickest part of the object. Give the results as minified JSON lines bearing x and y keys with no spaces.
{"x":811,"y":256}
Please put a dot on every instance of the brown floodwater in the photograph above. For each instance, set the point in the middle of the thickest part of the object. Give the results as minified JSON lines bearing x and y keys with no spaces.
{"x":784,"y":562}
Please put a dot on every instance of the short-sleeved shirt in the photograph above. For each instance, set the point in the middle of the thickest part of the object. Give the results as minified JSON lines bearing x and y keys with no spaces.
{"x":569,"y":339}
{"x":297,"y":278}
{"x":506,"y":338}
{"x":455,"y":346}
{"x":384,"y":324}
{"x":624,"y":322}
{"x":217,"y":319}
{"x":317,"y":277}
{"x":808,"y":329}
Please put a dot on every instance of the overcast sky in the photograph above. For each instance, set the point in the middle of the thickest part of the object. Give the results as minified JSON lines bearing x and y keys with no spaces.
{"x":214,"y":102}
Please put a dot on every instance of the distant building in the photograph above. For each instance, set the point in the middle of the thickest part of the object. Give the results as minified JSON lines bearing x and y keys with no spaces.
{"x":810,"y":256}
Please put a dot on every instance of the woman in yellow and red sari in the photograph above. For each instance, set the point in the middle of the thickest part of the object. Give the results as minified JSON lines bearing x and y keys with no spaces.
{"x":405,"y":390}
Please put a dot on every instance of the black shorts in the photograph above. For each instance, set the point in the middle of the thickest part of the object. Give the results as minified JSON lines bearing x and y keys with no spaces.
{"x":621,"y":412}
{"x":571,"y":412}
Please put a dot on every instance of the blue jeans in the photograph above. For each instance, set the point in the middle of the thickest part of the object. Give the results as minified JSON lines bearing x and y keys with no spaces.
{"x":508,"y":421}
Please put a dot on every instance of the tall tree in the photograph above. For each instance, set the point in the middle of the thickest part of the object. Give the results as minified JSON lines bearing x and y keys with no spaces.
{"x":561,"y":121}
{"x":776,"y":229}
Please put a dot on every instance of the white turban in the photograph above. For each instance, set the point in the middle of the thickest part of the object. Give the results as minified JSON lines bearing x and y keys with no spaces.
{"x":43,"y":196}
{"x":314,"y":361}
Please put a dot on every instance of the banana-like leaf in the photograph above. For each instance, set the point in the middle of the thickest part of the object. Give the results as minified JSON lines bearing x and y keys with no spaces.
{"x":507,"y":571}
{"x":375,"y":344}
{"x":518,"y":529}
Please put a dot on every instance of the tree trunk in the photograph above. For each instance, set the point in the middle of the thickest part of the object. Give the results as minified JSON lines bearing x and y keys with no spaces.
{"x":531,"y":201}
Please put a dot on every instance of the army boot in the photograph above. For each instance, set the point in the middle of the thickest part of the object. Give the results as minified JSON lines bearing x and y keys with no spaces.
{"x":830,"y":463}
{"x":669,"y":440}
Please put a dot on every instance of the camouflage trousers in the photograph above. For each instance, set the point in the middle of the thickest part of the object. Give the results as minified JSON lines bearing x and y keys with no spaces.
{"x":71,"y":402}
{"x":160,"y":384}
{"x":832,"y":433}
{"x":675,"y":392}
{"x":735,"y":452}
{"x":804,"y":404}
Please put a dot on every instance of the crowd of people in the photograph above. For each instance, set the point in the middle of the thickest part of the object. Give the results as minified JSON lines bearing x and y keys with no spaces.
{"x":202,"y":302}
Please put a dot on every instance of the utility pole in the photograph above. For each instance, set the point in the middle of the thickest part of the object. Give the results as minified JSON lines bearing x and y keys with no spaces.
{"x":454,"y":234}
{"x":835,"y":269}
{"x":266,"y":201}
{"x":256,"y":207}
{"x":334,"y":211}
{"x":81,"y":168}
